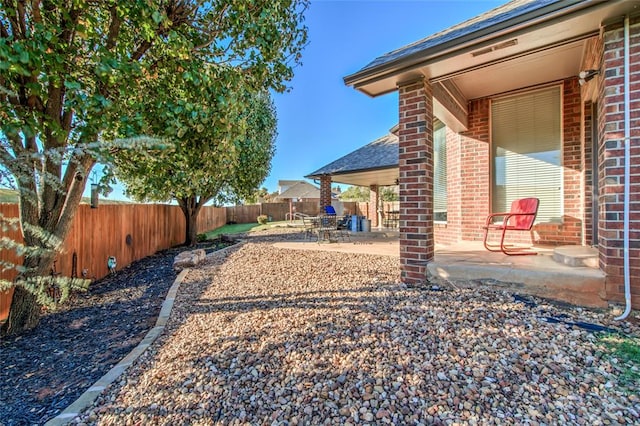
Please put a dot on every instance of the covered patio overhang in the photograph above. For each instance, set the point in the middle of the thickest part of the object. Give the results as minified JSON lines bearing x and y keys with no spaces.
{"x":387,"y":176}
{"x":518,"y":46}
{"x":373,"y":166}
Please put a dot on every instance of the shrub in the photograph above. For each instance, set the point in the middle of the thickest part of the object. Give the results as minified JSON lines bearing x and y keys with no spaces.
{"x":201,"y":237}
{"x":263,"y":219}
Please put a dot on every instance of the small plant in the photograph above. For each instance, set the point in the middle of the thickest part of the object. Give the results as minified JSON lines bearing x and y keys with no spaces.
{"x":263,"y":219}
{"x":201,"y":237}
{"x":625,"y":351}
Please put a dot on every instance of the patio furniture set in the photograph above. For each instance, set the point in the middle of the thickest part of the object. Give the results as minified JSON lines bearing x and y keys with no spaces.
{"x":328,"y":227}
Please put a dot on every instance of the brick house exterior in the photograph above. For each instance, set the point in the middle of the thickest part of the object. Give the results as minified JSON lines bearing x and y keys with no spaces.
{"x":455,"y":75}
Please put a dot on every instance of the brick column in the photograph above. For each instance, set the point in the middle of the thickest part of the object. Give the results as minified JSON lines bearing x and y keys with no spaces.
{"x":416,"y":180}
{"x":325,"y":192}
{"x":611,"y":162}
{"x":374,"y":202}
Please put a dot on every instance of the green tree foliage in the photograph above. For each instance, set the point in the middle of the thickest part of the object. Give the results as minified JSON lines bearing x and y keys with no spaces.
{"x":218,"y":156}
{"x":259,"y":196}
{"x":71,"y":69}
{"x":389,"y":193}
{"x":355,"y":193}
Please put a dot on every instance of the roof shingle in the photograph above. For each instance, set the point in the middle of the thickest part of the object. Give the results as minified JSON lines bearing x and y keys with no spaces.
{"x":379,"y":154}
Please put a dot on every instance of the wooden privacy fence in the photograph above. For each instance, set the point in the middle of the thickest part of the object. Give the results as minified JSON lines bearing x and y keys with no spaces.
{"x":127,"y":231}
{"x":244,"y":214}
{"x":133,"y":231}
{"x":280,"y":211}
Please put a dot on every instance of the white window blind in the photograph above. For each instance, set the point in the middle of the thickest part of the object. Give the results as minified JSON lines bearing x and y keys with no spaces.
{"x":439,"y":172}
{"x":526,"y":134}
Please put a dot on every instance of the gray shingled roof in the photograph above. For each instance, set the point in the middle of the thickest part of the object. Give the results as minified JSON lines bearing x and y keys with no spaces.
{"x":507,"y":12}
{"x":379,"y":154}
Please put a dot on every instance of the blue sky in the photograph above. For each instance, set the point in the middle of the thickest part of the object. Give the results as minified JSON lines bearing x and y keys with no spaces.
{"x":320,"y":119}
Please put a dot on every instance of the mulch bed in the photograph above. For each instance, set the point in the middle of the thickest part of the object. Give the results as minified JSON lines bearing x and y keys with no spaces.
{"x":46,"y":369}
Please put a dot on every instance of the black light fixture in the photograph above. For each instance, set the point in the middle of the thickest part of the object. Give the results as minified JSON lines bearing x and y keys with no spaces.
{"x":587,"y":75}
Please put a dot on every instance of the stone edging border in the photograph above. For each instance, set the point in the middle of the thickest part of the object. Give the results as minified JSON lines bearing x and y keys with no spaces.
{"x":89,"y":396}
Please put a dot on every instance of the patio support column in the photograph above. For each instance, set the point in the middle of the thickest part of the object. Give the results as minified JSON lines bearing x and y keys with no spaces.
{"x":374,"y":200}
{"x":611,"y":165}
{"x":416,"y":179}
{"x":325,"y":191}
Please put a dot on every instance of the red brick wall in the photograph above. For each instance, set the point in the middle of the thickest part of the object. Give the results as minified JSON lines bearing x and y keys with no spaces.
{"x":570,"y":231}
{"x":587,"y":159}
{"x":592,"y":59}
{"x":325,"y":192}
{"x":416,"y":180}
{"x":449,"y":232}
{"x":475,"y":171}
{"x":611,"y":162}
{"x":471,"y":161}
{"x":373,"y":202}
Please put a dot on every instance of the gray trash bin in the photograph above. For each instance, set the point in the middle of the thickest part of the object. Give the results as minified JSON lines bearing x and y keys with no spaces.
{"x":366,"y":225}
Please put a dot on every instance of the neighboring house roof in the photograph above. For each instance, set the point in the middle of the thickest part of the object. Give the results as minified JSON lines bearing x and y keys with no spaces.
{"x":381,"y":154}
{"x":288,"y":182}
{"x":300,"y":189}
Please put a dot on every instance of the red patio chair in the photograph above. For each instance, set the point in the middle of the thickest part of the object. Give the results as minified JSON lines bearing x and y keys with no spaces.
{"x":520,"y":218}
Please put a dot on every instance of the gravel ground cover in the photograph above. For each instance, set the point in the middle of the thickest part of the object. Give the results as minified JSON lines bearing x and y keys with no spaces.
{"x":45,"y":370}
{"x":272,"y":336}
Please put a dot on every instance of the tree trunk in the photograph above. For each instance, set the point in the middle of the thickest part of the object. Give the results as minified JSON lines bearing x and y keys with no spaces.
{"x":191,"y":237}
{"x":191,"y":208}
{"x":24,"y":313}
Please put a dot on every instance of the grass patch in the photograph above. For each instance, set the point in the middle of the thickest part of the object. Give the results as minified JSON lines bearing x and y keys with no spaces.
{"x":624,"y":353}
{"x":241,"y":228}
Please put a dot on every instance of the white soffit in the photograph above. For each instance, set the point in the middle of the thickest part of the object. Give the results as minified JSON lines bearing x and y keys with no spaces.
{"x":564,"y":39}
{"x":542,"y":67}
{"x":383,"y":177}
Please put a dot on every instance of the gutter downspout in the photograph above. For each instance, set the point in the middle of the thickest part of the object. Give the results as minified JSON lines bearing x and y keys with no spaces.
{"x":627,"y":173}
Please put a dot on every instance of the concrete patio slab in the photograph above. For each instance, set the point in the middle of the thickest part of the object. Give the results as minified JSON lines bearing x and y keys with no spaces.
{"x":469,"y":263}
{"x":539,"y":275}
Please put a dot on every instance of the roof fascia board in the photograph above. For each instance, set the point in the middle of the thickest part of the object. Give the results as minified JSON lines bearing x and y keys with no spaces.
{"x":536,"y":18}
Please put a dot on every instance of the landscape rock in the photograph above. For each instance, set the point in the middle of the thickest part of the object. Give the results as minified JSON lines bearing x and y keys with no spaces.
{"x":188,"y":259}
{"x":274,"y":336}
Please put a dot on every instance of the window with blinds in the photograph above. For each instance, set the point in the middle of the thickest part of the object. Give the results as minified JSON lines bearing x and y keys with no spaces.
{"x":526,"y":136}
{"x":439,"y":172}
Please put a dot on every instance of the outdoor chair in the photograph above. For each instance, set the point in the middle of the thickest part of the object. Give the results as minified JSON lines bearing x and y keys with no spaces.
{"x":327,"y":228}
{"x":329,"y":210}
{"x":342,"y":229}
{"x":520,"y":218}
{"x":309,"y":224}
